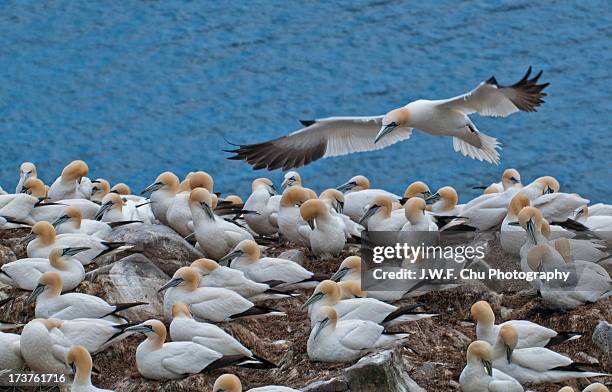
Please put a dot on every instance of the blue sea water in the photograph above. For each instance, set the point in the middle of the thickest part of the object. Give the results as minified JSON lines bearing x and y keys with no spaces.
{"x":139,"y":87}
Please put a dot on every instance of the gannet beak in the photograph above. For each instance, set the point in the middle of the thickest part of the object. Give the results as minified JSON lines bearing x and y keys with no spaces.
{"x":320,"y":326}
{"x":509,"y":354}
{"x":139,"y":328}
{"x":340,"y":207}
{"x":385,"y":130}
{"x":311,"y":223}
{"x":488,"y":367}
{"x":514,"y":180}
{"x":432,"y":199}
{"x":347,"y":186}
{"x":287,"y":182}
{"x":209,"y":211}
{"x":548,"y":190}
{"x":103,"y":208}
{"x":73,"y":251}
{"x":339,"y":274}
{"x":531,"y":231}
{"x":152,"y":188}
{"x":73,"y":367}
{"x":273,"y":190}
{"x":36,"y":292}
{"x":189,"y":236}
{"x":368,"y":214}
{"x":171,"y":283}
{"x":24,"y":190}
{"x":313,"y":298}
{"x":514,"y":224}
{"x":60,"y":220}
{"x":229,"y":257}
{"x":29,"y":237}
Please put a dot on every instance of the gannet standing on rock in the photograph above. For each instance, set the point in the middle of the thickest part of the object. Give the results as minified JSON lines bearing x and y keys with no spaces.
{"x":325,"y":232}
{"x":335,"y":136}
{"x":162,"y":191}
{"x":207,"y":303}
{"x":50,"y":303}
{"x":478,"y":375}
{"x":358,"y":196}
{"x":79,"y":360}
{"x":530,"y":334}
{"x":26,"y":170}
{"x":262,"y":190}
{"x":215,"y":235}
{"x":275,"y":272}
{"x":66,"y":186}
{"x":333,"y":340}
{"x":230,"y":383}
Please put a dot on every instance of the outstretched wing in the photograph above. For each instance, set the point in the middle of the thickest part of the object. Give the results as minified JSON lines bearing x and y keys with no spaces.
{"x":492,"y":99}
{"x":326,"y":137}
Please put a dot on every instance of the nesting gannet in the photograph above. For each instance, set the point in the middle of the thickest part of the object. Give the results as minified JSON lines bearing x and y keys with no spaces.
{"x":587,"y":282}
{"x":178,"y":214}
{"x":184,"y":328}
{"x":276,"y":272}
{"x":44,"y":346}
{"x":66,"y":186}
{"x":25,"y":273}
{"x":79,"y":359}
{"x":215,"y":235}
{"x":262,"y":190}
{"x":333,"y":340}
{"x":162,"y":191}
{"x":10,"y":352}
{"x":577,"y":249}
{"x":358,"y":196}
{"x":595,"y":210}
{"x":207,"y":303}
{"x":291,"y":178}
{"x":157,"y":360}
{"x":43,"y":239}
{"x":380,"y":215}
{"x":325,"y":232}
{"x":94,"y":334}
{"x":417,"y":220}
{"x":334,"y":200}
{"x":478,"y":375}
{"x":531,"y":220}
{"x":122,"y":189}
{"x":26,"y":170}
{"x":540,"y":186}
{"x":533,"y":364}
{"x":334,"y":136}
{"x":51,"y":211}
{"x":558,"y":206}
{"x":18,"y":210}
{"x":230,"y":383}
{"x":115,"y":208}
{"x":416,"y":189}
{"x":601,"y":225}
{"x":328,"y":293}
{"x":71,"y":221}
{"x":484,"y":212}
{"x":215,"y":275}
{"x":511,"y":178}
{"x":100,"y":188}
{"x":50,"y":303}
{"x":289,"y":219}
{"x":444,"y":201}
{"x":530,"y":334}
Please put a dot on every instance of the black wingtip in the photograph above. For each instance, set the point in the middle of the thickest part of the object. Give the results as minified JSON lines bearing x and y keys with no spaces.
{"x":307,"y":123}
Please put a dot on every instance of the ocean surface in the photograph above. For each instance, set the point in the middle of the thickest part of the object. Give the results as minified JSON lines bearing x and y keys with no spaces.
{"x":139,"y":87}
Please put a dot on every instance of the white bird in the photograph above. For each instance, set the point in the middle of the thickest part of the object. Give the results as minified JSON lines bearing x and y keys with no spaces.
{"x":484,"y":212}
{"x":45,"y":211}
{"x":558,"y":206}
{"x":380,"y":215}
{"x":72,"y":222}
{"x":333,"y":340}
{"x":214,"y":275}
{"x":530,"y":334}
{"x":157,"y":360}
{"x":79,"y":359}
{"x":178,"y":214}
{"x":595,"y":210}
{"x":215,"y":235}
{"x":66,"y":186}
{"x":335,"y":136}
{"x":334,"y":200}
{"x":208,"y":303}
{"x":116,"y":209}
{"x":358,"y":196}
{"x":162,"y":191}
{"x":44,"y":346}
{"x":586,"y":283}
{"x":533,"y":364}
{"x":511,"y":178}
{"x":25,"y":273}
{"x":231,"y":383}
{"x":184,"y":328}
{"x":596,"y":387}
{"x":416,"y":189}
{"x":289,"y":220}
{"x":26,"y":170}
{"x":444,"y":202}
{"x":10,"y":352}
{"x":576,"y":249}
{"x":291,"y":178}
{"x":420,"y":227}
{"x":246,"y":257}
{"x":328,"y":293}
{"x":43,"y":239}
{"x":100,"y":188}
{"x":601,"y":225}
{"x":540,"y":186}
{"x":325,"y":232}
{"x":262,"y":190}
{"x":50,"y":303}
{"x":18,"y":210}
{"x":478,"y":375}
